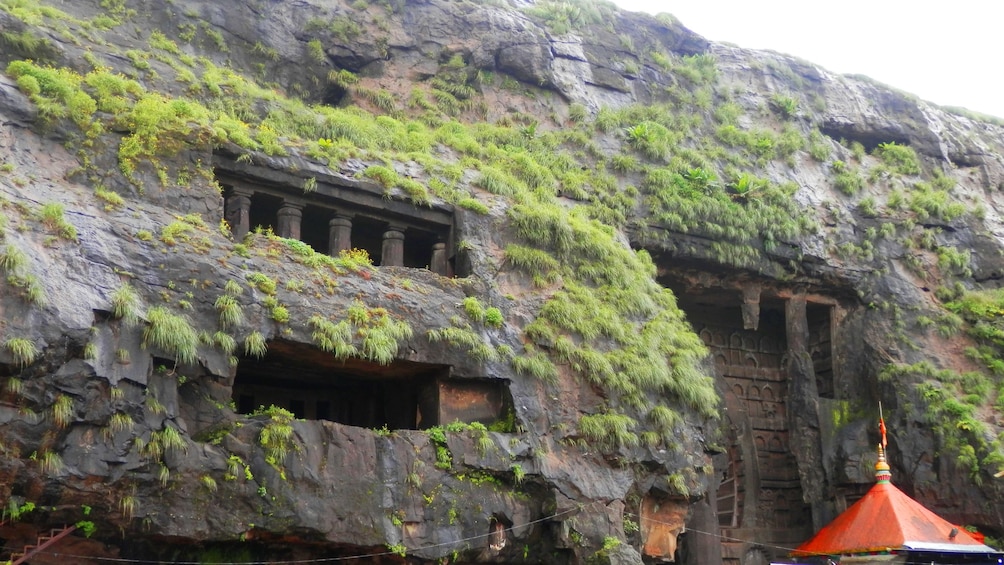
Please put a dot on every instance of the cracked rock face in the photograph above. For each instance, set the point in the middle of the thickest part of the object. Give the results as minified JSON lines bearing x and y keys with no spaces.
{"x":412,"y":420}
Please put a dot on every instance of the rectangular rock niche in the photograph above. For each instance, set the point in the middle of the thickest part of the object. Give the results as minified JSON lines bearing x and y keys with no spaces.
{"x":314,"y":385}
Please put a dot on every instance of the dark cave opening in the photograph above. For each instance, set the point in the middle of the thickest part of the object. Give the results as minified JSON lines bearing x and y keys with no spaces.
{"x":263,"y":211}
{"x":869,"y":139}
{"x":333,"y":95}
{"x":367,"y":234}
{"x":314,"y":228}
{"x":314,"y":385}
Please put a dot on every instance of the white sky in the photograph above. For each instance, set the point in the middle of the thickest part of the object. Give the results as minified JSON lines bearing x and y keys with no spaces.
{"x":949,"y":53}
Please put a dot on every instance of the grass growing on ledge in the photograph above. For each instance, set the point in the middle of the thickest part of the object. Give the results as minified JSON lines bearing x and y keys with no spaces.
{"x":52,"y":216}
{"x":609,"y":430}
{"x":276,"y":435}
{"x":14,"y":263}
{"x":254,"y":345}
{"x":171,"y":333}
{"x":229,"y":310}
{"x":23,"y":350}
{"x":62,"y":411}
{"x":367,"y":333}
{"x":126,"y":305}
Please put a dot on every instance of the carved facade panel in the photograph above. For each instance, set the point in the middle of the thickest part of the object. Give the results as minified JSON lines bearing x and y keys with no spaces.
{"x":750,"y":362}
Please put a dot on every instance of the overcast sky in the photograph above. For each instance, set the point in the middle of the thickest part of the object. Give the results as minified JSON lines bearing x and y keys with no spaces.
{"x":950,"y":53}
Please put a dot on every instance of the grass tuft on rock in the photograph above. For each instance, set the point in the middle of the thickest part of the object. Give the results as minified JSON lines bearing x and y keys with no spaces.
{"x":171,"y":333}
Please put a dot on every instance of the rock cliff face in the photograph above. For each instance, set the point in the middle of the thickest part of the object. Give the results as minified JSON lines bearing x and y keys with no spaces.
{"x":453,"y":281}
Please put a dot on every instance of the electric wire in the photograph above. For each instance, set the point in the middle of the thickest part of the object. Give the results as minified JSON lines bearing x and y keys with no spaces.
{"x":577,"y":509}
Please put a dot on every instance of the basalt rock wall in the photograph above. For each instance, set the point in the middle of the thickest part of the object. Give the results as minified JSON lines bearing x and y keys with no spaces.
{"x":537,"y":283}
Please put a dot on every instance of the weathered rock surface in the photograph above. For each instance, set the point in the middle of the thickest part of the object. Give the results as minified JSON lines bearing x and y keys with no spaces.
{"x":111,"y":424}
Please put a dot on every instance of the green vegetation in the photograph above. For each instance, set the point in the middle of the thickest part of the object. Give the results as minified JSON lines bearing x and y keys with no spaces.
{"x":52,"y":216}
{"x":50,"y":463}
{"x":262,"y":282}
{"x":902,"y":158}
{"x":229,"y":310}
{"x":171,"y":333}
{"x":13,"y":511}
{"x":461,"y":335}
{"x":954,"y":400}
{"x":565,"y":17}
{"x":118,"y":422}
{"x":367,"y":333}
{"x":687,"y":163}
{"x":609,"y":431}
{"x":785,"y":106}
{"x":254,"y":345}
{"x":62,"y":411}
{"x":14,"y":263}
{"x":444,"y":458}
{"x":181,"y":229}
{"x":276,"y":434}
{"x":111,"y":199}
{"x":126,"y":305}
{"x":23,"y":350}
{"x":847,"y":179}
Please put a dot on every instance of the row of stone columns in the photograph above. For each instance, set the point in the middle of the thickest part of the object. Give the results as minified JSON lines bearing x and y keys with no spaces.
{"x":290,"y":217}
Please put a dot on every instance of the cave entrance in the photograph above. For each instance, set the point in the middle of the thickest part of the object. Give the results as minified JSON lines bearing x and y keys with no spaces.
{"x":336,"y":215}
{"x":314,"y":385}
{"x":367,"y":233}
{"x":760,"y":494}
{"x":262,"y":213}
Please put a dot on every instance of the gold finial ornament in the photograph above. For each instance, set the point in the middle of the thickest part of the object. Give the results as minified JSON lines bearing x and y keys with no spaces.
{"x":882,"y":473}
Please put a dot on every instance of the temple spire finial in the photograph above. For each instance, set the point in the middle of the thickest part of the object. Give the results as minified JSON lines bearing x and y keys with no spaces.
{"x":882,"y":473}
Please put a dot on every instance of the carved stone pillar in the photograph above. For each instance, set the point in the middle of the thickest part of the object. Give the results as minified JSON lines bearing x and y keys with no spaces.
{"x":339,"y":235}
{"x":238,"y":213}
{"x":751,"y":306}
{"x":805,"y":438}
{"x":290,"y":216}
{"x":438,"y":263}
{"x":392,"y":254}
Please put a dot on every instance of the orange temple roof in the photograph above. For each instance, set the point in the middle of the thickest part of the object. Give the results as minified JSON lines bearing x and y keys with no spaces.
{"x":886,"y":519}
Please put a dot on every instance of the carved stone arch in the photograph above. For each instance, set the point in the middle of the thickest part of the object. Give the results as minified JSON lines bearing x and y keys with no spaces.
{"x":753,"y":404}
{"x":721,"y":360}
{"x":767,"y":393}
{"x":749,"y":342}
{"x":736,"y":341}
{"x":751,"y":360}
{"x":737,"y":389}
{"x":719,"y":339}
{"x":706,"y":336}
